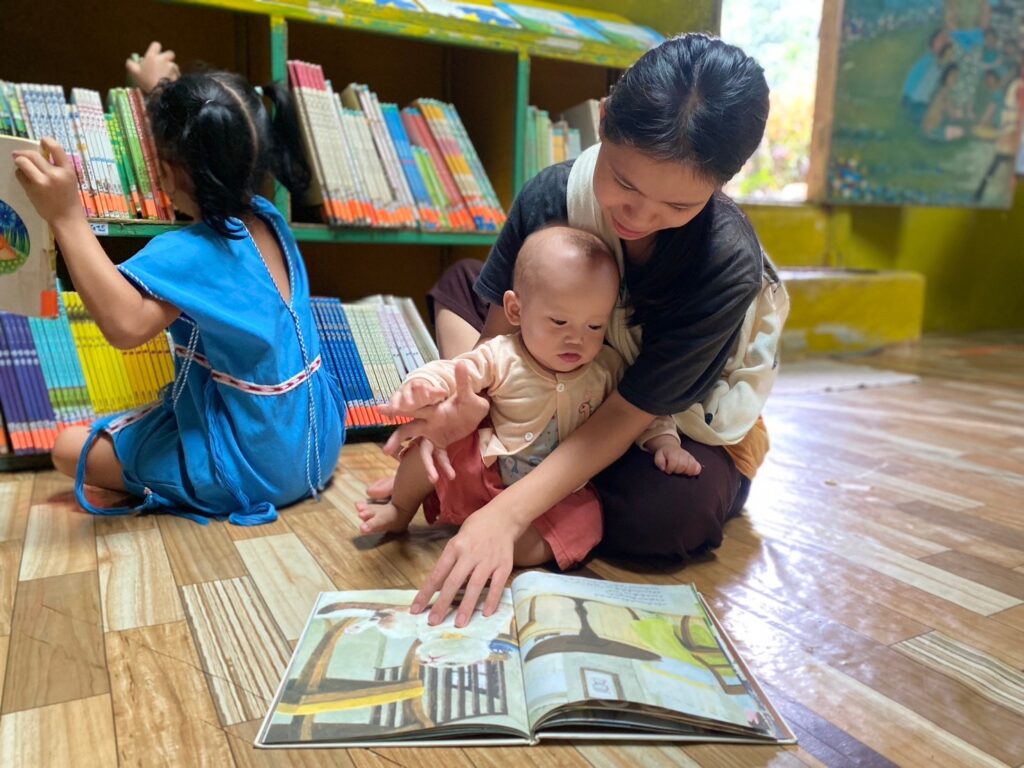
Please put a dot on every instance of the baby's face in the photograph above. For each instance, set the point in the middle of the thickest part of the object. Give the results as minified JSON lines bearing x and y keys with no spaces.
{"x":563,"y":326}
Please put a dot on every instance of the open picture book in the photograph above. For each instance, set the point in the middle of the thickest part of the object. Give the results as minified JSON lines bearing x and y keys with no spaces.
{"x":563,"y":657}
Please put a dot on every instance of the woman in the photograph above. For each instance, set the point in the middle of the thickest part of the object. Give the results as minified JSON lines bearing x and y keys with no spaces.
{"x":699,"y":320}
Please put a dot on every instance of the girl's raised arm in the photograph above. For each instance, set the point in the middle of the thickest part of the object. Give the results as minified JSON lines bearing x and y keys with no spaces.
{"x":125,"y":316}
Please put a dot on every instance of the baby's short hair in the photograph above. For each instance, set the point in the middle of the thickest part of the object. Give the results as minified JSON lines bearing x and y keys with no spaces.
{"x":590,"y":248}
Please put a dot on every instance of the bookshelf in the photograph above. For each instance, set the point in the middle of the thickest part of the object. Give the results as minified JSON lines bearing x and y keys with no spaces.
{"x":489,"y":74}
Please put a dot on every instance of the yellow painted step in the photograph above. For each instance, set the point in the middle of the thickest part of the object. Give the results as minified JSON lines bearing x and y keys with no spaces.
{"x":836,"y":311}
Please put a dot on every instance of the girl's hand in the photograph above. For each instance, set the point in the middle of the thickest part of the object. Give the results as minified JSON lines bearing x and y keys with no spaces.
{"x":51,"y":185}
{"x":155,"y":65}
{"x":480,"y":552}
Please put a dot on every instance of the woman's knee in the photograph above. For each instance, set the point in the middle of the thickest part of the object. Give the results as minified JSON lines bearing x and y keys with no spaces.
{"x":647,"y":512}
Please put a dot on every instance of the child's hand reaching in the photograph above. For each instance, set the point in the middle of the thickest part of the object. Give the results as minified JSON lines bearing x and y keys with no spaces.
{"x":152,"y":67}
{"x":416,"y":394}
{"x":671,"y":458}
{"x":51,"y":184}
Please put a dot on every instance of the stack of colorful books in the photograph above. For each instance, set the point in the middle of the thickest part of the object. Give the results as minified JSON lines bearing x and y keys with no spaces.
{"x":60,"y":372}
{"x":113,"y":153}
{"x":375,"y":165}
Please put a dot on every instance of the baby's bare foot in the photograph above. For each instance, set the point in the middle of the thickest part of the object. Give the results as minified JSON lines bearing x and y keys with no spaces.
{"x":382,"y":518}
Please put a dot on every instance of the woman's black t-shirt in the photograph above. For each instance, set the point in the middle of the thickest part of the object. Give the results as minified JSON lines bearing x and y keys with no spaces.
{"x":689,"y":298}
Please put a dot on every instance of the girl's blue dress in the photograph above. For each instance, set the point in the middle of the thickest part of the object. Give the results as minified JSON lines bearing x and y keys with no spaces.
{"x":252,"y":421}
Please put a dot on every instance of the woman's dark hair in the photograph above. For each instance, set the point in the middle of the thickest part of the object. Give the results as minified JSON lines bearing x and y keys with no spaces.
{"x":947,"y":73}
{"x":213,"y":124}
{"x":694,"y":99}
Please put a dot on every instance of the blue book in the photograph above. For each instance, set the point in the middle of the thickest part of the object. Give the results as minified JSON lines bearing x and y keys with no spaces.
{"x":429,"y":218}
{"x":10,"y":399}
{"x":46,"y":421}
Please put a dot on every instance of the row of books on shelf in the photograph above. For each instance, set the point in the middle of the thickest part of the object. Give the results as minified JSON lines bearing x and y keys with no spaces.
{"x":570,"y":25}
{"x":550,"y":141}
{"x":380,"y":166}
{"x":61,"y":372}
{"x":113,"y":152}
{"x":373,"y":164}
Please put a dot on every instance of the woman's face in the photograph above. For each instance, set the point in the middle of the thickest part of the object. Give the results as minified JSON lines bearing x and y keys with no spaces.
{"x":641,"y":195}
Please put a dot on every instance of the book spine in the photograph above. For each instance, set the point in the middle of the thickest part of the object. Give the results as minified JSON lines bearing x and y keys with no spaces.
{"x":162,"y":205}
{"x":332,"y":353}
{"x":495,"y":211}
{"x":427,"y":214}
{"x":19,"y":360}
{"x":454,"y":160}
{"x":133,"y":200}
{"x":388,"y":151}
{"x":133,"y":150}
{"x":422,"y":136}
{"x":36,"y":382}
{"x":10,"y":398}
{"x":357,"y":371}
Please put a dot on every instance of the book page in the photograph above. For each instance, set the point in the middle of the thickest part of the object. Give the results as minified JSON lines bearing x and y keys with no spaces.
{"x":627,"y":645}
{"x":366,"y":670}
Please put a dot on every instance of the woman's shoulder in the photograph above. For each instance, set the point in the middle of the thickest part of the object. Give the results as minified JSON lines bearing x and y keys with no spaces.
{"x":549,"y":187}
{"x":732,"y":242}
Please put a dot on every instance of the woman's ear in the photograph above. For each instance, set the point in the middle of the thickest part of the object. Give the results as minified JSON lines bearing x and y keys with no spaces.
{"x":513,"y":309}
{"x":601,"y":110}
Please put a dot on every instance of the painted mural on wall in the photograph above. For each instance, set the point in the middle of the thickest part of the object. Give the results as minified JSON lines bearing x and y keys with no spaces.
{"x":927,"y":103}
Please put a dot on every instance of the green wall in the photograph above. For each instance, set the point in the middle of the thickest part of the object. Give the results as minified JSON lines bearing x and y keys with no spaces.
{"x":973,"y":261}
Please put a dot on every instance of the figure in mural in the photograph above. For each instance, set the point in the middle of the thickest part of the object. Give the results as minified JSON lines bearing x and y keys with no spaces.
{"x":925,"y":105}
{"x":1007,"y":132}
{"x":944,"y":119}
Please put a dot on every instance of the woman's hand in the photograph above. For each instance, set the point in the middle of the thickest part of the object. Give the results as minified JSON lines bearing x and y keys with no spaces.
{"x":437,"y":422}
{"x":51,"y":184}
{"x":479,"y":553}
{"x":155,"y":65}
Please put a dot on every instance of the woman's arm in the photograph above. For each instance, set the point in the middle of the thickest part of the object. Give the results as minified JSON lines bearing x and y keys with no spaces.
{"x":482,"y":549}
{"x":495,"y":324}
{"x":125,"y":316}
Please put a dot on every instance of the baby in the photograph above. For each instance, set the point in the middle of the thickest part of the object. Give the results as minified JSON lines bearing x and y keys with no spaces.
{"x":543,"y":382}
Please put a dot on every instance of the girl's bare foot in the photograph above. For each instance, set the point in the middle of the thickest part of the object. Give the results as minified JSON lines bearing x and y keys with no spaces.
{"x":382,"y":518}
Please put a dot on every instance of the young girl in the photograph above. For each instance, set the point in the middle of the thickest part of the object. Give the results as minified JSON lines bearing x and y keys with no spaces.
{"x":251,"y":422}
{"x":698,"y":324}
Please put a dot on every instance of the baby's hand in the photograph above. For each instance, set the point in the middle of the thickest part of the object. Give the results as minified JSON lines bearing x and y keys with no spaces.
{"x":414,"y":395}
{"x":671,"y":458}
{"x":51,"y":185}
{"x":153,"y":67}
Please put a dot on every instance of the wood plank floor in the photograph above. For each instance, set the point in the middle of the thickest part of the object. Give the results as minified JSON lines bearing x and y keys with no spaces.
{"x":875,"y":585}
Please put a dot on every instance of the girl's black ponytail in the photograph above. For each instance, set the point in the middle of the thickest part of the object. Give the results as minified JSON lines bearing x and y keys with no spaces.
{"x":287,"y":156}
{"x":220,"y":154}
{"x":215,"y":126}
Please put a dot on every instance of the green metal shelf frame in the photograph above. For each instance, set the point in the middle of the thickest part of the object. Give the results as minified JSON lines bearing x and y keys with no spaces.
{"x":312,"y":233}
{"x":432,"y":28}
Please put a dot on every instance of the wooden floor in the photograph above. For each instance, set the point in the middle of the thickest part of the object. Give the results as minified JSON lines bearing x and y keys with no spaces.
{"x":875,"y":585}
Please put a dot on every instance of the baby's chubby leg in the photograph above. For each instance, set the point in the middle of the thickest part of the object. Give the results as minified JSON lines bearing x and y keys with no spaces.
{"x":394,"y":515}
{"x":531,"y":549}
